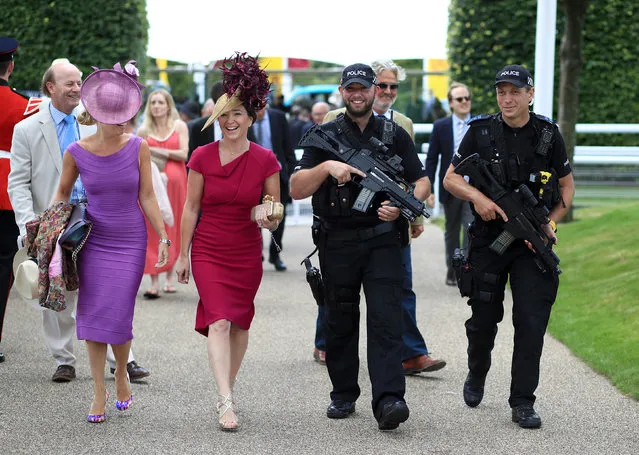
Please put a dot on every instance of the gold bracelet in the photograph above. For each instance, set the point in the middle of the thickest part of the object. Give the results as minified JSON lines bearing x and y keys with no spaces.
{"x":553,"y":225}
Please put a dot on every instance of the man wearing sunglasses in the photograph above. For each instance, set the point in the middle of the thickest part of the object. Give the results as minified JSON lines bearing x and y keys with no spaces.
{"x":444,"y":142}
{"x":415,"y":354}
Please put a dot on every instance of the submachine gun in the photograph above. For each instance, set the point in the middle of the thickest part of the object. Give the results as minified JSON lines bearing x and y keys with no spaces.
{"x":383,"y":173}
{"x":525,"y":213}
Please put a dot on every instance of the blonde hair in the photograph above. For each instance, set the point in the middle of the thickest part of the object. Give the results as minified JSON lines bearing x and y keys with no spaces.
{"x":84,"y":118}
{"x":149,"y":125}
{"x":453,"y":86}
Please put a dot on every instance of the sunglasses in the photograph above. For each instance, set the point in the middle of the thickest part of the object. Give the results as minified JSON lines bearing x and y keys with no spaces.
{"x":462,"y":98}
{"x":384,"y":86}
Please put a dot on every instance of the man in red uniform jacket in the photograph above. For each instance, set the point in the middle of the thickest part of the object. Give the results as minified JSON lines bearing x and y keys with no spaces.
{"x":15,"y":108}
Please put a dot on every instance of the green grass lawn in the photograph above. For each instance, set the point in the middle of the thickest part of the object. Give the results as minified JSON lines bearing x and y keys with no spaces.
{"x":597,"y":310}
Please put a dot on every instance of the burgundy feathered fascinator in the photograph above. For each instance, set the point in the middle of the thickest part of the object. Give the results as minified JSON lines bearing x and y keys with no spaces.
{"x":244,"y":82}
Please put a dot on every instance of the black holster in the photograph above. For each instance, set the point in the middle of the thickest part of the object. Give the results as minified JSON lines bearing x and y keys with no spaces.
{"x":313,"y":274}
{"x":314,"y":280}
{"x":463,"y":273}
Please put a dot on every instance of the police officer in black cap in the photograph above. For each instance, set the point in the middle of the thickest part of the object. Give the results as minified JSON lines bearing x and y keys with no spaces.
{"x":360,"y":249}
{"x":511,"y":141}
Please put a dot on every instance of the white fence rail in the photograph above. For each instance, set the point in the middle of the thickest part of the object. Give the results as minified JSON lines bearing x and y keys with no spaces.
{"x":585,"y":154}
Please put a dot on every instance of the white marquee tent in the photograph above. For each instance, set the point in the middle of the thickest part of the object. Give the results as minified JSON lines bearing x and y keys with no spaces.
{"x":340,"y":31}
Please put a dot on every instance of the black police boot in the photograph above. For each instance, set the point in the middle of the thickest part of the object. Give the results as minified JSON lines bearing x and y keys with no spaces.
{"x":473,"y":390}
{"x":393,"y":414}
{"x":526,"y":417}
{"x":339,"y":409}
{"x":1,"y":357}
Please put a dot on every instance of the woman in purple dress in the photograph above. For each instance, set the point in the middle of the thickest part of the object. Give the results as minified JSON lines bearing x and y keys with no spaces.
{"x":115,"y":168}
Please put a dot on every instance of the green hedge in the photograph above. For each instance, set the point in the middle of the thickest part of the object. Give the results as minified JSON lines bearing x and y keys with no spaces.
{"x":97,"y":33}
{"x":485,"y":35}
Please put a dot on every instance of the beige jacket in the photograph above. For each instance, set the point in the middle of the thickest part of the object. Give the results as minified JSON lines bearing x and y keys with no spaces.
{"x":36,"y":165}
{"x":398,"y":118}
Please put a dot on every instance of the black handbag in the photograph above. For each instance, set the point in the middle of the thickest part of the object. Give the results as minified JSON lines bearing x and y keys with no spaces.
{"x":77,"y":231}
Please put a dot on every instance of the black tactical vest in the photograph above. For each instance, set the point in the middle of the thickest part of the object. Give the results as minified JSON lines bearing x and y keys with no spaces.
{"x":333,"y":201}
{"x":511,"y":168}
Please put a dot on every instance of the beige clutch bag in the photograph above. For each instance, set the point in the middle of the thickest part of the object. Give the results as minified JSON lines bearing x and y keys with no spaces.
{"x":274,"y":210}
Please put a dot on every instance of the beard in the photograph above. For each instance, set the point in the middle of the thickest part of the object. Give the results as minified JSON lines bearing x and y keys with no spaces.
{"x":384,"y":104}
{"x":362,"y":111}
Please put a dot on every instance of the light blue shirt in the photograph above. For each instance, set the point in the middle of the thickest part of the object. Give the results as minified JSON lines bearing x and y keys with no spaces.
{"x":77,"y":193}
{"x":263,"y":136}
{"x":460,"y":127}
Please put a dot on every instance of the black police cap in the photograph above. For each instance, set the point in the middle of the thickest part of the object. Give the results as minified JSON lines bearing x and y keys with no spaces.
{"x":516,"y":75}
{"x":8,"y":47}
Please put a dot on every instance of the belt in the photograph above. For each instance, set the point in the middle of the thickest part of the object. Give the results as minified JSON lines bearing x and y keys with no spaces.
{"x":5,"y":154}
{"x":361,"y":233}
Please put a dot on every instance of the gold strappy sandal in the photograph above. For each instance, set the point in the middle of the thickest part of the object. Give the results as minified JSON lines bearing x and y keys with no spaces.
{"x":224,"y":405}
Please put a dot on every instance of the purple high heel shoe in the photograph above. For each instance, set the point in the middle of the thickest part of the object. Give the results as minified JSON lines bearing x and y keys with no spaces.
{"x":99,"y":418}
{"x":126,"y":404}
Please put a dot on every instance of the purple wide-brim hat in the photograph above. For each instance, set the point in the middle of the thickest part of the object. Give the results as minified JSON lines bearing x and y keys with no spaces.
{"x":111,"y":96}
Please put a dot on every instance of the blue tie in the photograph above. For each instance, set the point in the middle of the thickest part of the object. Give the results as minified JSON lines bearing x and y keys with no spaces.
{"x":70,"y":133}
{"x":69,"y":137}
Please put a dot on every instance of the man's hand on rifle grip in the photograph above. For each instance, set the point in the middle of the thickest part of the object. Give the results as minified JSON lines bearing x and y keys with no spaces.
{"x":342,"y":171}
{"x":487,"y":209}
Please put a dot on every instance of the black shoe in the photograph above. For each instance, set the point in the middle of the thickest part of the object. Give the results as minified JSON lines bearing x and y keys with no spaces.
{"x":277,"y":262}
{"x":136,"y":372}
{"x":526,"y":417}
{"x":473,"y":390}
{"x":64,"y":373}
{"x":339,"y":409}
{"x":1,"y":357}
{"x":451,"y":280}
{"x":393,"y":414}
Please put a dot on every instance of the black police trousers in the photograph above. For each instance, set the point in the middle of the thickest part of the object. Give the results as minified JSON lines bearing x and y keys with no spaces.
{"x":533,"y":294}
{"x":8,"y":247}
{"x":349,"y":262}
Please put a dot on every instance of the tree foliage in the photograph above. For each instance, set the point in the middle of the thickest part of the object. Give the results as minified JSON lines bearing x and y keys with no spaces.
{"x":98,"y":33}
{"x":487,"y":35}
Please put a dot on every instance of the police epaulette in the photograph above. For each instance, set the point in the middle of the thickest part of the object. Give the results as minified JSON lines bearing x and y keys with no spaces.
{"x":543,"y":118}
{"x":480,"y":117}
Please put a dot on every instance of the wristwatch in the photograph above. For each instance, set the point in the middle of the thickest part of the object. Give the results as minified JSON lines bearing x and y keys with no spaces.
{"x":167,"y":241}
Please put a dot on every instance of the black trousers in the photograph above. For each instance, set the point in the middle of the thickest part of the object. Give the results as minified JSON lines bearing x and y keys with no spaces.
{"x":375,"y":264}
{"x":276,"y":239}
{"x":533,"y":294}
{"x":458,"y":218}
{"x":8,"y":247}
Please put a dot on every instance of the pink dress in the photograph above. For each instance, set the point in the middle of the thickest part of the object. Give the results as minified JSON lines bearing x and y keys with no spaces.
{"x":226,"y":255}
{"x":176,"y":190}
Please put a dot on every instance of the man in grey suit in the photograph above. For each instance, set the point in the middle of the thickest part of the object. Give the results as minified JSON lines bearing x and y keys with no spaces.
{"x":37,"y":148}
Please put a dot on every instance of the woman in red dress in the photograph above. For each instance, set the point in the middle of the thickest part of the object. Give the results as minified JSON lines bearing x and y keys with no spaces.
{"x":168,"y":139}
{"x":226,"y":179}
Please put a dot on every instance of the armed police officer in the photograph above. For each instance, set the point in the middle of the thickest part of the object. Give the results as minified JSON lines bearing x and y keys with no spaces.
{"x":519,"y":148}
{"x":360,"y":248}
